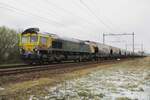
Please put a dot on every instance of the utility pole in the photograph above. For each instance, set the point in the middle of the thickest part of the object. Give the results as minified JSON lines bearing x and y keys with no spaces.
{"x":133,"y":42}
{"x":126,"y":47}
{"x":103,"y":38}
{"x":142,"y":51}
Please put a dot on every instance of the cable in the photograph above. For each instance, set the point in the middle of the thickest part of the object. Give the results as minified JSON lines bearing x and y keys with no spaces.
{"x":51,"y":10}
{"x":28,"y":13}
{"x":66,"y":11}
{"x":100,"y":20}
{"x":42,"y":8}
{"x":108,"y":20}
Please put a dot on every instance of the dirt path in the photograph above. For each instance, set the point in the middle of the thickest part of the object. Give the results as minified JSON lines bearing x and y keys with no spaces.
{"x":119,"y":81}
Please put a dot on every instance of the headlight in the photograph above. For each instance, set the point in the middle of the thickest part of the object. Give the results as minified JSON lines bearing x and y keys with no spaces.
{"x":35,"y":49}
{"x":22,"y":50}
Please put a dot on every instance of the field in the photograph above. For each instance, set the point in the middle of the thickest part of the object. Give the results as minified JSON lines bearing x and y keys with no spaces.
{"x":121,"y":80}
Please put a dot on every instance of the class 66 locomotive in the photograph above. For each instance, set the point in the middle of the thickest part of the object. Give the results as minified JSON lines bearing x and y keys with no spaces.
{"x":37,"y":48}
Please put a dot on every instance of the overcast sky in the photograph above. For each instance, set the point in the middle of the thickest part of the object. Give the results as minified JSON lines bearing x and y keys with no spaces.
{"x":82,"y":19}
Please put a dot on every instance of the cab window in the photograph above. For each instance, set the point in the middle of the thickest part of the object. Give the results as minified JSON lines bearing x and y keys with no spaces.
{"x":43,"y":40}
{"x":33,"y":39}
{"x":25,"y":39}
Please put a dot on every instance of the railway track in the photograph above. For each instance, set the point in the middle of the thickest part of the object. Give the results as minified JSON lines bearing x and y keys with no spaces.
{"x":27,"y":69}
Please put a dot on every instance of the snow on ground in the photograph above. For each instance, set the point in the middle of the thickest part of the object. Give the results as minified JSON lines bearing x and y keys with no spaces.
{"x":1,"y":89}
{"x":114,"y":83}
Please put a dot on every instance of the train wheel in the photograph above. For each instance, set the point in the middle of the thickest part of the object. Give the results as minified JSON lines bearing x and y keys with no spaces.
{"x":76,"y":60}
{"x":80,"y":59}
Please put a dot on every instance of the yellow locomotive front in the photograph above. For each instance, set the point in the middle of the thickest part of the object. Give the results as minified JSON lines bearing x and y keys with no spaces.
{"x":32,"y":43}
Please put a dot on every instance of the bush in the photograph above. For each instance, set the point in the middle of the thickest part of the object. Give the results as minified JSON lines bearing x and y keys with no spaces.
{"x":9,"y":52}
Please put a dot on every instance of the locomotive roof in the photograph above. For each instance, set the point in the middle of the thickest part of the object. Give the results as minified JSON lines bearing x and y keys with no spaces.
{"x":70,"y":39}
{"x":31,"y":30}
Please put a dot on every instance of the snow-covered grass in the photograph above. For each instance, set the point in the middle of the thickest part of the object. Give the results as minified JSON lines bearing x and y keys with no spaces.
{"x":129,"y":80}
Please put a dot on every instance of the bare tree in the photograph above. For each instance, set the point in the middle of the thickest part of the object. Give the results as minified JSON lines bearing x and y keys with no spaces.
{"x":8,"y":45}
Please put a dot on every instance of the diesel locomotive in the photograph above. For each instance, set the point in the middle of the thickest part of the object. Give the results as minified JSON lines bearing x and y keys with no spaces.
{"x":39,"y":47}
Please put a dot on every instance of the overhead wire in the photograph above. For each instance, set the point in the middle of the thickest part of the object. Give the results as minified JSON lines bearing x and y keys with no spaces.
{"x":35,"y":15}
{"x":67,"y":11}
{"x":70,"y":13}
{"x":97,"y":17}
{"x":37,"y":8}
{"x":61,"y":8}
{"x":52,"y":10}
{"x":28,"y":13}
{"x":42,"y":19}
{"x":108,"y":20}
{"x":92,"y":24}
{"x":47,"y":20}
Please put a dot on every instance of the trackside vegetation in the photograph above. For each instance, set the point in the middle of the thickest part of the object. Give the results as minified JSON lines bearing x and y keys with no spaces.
{"x":9,"y":51}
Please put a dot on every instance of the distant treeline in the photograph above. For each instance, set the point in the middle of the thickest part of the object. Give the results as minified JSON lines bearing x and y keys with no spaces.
{"x":9,"y":51}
